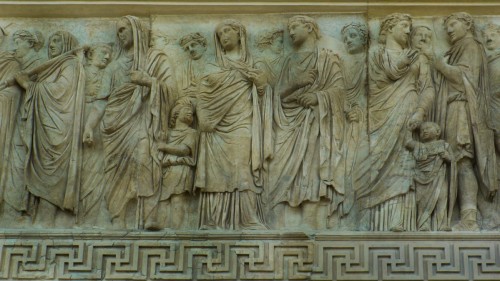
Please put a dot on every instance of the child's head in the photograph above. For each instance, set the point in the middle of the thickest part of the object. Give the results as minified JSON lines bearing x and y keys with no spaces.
{"x":429,"y":131}
{"x":182,"y":112}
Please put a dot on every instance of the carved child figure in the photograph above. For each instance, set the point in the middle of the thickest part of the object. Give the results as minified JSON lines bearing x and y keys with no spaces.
{"x":98,"y":57}
{"x":431,"y":178}
{"x":178,"y":156}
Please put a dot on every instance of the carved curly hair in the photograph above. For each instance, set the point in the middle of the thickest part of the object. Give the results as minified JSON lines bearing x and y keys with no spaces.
{"x":35,"y":38}
{"x":196,"y":37}
{"x":306,"y":20}
{"x":389,"y":22}
{"x":359,"y":27}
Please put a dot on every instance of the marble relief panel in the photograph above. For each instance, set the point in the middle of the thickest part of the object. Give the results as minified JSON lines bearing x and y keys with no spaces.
{"x":254,"y":122}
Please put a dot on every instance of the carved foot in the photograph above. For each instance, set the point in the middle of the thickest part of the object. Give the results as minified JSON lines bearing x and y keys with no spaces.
{"x":397,"y":228}
{"x":466,"y":226}
{"x":468,"y":221}
{"x":445,"y":228}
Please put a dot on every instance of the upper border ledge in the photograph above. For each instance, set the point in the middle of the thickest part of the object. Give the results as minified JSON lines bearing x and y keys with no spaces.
{"x":64,"y":9}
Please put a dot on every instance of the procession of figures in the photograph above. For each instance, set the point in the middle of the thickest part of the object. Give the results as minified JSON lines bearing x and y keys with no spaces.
{"x":392,"y":137}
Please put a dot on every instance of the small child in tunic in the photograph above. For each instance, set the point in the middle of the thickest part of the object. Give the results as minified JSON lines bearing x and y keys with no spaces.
{"x":178,"y":157}
{"x":433,"y":157}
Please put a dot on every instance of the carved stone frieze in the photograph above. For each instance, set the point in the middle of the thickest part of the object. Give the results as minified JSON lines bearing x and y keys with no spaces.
{"x":253,"y":147}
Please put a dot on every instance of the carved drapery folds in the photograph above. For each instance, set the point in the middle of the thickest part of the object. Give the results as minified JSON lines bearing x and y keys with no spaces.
{"x":309,"y":122}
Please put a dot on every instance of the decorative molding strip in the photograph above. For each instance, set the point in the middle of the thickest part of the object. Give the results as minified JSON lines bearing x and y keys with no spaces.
{"x":108,"y":255}
{"x":62,"y":9}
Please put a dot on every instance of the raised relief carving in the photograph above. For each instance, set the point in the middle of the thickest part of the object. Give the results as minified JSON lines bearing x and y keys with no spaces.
{"x":461,"y":110}
{"x":490,"y":213}
{"x":232,"y":135}
{"x":270,"y":45}
{"x":135,"y":96}
{"x":208,"y":148}
{"x":432,"y":172}
{"x":10,"y":101}
{"x":395,"y":104}
{"x":16,"y":199}
{"x":178,"y":157}
{"x":54,"y":105}
{"x":304,"y":183}
{"x":239,"y":127}
{"x":98,"y":56}
{"x":356,"y":150}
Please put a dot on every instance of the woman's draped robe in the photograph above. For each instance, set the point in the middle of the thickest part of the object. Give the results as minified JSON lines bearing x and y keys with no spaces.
{"x":231,"y":150}
{"x":393,"y":98}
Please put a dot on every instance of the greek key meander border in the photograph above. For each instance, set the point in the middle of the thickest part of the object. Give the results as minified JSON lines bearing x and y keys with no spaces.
{"x":272,"y":255}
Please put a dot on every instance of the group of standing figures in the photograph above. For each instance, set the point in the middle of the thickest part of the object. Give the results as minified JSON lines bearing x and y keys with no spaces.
{"x":107,"y":136}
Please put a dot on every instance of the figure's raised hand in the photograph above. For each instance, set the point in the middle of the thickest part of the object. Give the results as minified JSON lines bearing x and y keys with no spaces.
{"x":308,"y":100}
{"x":416,"y":119}
{"x":307,"y":78}
{"x":258,"y":77}
{"x":88,"y":136}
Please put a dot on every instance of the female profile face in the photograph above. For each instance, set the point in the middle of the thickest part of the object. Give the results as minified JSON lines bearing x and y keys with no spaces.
{"x":55,"y":46}
{"x":125,"y":34}
{"x":299,"y":32}
{"x":229,"y":38}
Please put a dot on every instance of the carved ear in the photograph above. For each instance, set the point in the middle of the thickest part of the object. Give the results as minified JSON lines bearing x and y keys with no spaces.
{"x":469,"y":25}
{"x":309,"y":27}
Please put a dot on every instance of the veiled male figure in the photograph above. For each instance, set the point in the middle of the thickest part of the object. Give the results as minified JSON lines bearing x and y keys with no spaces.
{"x":136,"y":92}
{"x":54,"y":115}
